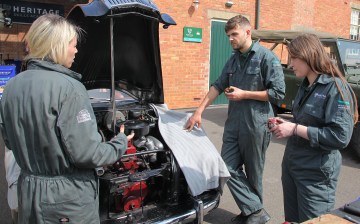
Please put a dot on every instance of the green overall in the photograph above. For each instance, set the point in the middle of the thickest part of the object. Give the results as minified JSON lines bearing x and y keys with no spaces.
{"x":47,"y":120}
{"x":310,"y":168}
{"x":246,"y":136}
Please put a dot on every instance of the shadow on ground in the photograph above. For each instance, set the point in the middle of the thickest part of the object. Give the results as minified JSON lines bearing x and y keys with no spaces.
{"x":219,"y":215}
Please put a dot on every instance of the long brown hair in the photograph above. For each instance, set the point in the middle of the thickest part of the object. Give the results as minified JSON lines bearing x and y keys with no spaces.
{"x":309,"y":48}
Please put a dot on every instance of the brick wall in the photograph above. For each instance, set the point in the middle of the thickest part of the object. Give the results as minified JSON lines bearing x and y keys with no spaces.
{"x":185,"y":64}
{"x":12,"y":39}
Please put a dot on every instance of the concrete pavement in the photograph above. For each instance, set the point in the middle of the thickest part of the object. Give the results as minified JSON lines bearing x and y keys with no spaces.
{"x":213,"y":122}
{"x":348,"y":186}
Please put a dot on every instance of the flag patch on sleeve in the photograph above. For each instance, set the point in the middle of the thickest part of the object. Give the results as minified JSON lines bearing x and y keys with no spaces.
{"x":83,"y":116}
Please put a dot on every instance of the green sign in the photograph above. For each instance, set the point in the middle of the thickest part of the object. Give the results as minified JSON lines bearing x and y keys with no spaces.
{"x":192,"y":34}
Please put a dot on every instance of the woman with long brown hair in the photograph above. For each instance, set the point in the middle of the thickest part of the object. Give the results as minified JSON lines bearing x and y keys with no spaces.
{"x":324,"y":114}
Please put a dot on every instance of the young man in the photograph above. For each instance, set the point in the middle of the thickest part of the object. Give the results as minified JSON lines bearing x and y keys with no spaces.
{"x":251,"y":79}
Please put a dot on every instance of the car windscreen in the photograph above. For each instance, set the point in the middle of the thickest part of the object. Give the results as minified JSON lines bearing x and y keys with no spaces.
{"x":331,"y":49}
{"x":349,"y":53}
{"x":105,"y":95}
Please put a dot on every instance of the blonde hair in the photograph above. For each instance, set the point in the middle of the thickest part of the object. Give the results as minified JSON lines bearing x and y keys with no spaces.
{"x":49,"y":37}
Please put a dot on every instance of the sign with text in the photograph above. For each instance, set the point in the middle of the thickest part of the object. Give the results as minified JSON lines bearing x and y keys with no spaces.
{"x":192,"y":34}
{"x":6,"y":73}
{"x":27,"y":12}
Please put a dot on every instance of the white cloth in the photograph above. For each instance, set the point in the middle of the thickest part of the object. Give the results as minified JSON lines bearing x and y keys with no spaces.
{"x":197,"y":157}
{"x":12,"y":171}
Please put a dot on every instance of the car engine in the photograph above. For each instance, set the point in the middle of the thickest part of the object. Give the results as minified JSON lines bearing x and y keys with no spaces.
{"x":146,"y":176}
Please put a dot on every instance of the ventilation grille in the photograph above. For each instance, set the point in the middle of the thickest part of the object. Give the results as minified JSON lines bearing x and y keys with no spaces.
{"x":122,"y":2}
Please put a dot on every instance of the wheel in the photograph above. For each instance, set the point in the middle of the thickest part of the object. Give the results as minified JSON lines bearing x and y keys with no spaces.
{"x":355,"y":140}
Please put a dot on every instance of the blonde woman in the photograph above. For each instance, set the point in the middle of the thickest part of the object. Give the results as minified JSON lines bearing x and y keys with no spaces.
{"x":47,"y":120}
{"x":325,"y":111}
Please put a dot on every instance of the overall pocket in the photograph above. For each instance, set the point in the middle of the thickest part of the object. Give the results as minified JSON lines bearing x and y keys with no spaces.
{"x":253,"y":75}
{"x":314,"y":115}
{"x":67,"y":201}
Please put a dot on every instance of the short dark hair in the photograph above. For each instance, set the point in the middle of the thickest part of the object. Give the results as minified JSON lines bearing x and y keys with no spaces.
{"x":240,"y":20}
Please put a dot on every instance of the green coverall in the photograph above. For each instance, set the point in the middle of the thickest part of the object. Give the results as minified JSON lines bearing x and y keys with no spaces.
{"x":310,"y":168}
{"x":246,"y":136}
{"x":47,"y":120}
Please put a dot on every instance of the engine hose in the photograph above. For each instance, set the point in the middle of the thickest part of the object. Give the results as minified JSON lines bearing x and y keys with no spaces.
{"x":176,"y":178}
{"x":146,"y":164}
{"x":102,"y":135}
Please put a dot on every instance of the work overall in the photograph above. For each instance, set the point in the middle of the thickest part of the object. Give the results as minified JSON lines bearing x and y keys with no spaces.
{"x":310,"y":168}
{"x":246,"y":136}
{"x":47,"y":120}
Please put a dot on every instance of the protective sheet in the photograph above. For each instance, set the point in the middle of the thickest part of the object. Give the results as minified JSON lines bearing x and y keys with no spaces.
{"x":198,"y":158}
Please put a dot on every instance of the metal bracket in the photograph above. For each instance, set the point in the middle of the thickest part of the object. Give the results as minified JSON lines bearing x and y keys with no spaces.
{"x":199,"y":207}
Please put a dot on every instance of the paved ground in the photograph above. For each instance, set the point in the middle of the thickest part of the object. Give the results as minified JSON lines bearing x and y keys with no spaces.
{"x":213,"y":121}
{"x":348,"y":186}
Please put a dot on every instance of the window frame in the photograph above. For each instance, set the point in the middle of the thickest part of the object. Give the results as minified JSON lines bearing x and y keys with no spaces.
{"x":355,"y":24}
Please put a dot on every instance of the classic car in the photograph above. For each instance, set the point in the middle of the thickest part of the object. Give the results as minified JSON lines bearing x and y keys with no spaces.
{"x":119,"y":59}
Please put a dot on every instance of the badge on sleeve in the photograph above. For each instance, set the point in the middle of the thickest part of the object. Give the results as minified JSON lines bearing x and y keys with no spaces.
{"x":276,"y":63}
{"x":63,"y":220}
{"x":83,"y":116}
{"x":343,"y":105}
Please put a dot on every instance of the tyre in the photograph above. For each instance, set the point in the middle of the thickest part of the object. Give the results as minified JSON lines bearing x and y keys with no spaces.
{"x":355,"y":140}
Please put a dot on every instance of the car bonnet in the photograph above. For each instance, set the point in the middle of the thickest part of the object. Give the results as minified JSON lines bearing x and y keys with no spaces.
{"x":120,"y":47}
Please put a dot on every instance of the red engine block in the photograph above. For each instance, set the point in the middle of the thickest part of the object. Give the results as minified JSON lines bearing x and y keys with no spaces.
{"x":133,"y":193}
{"x":130,"y":164}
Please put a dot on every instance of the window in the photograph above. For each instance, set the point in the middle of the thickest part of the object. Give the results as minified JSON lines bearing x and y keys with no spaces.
{"x":355,"y":24}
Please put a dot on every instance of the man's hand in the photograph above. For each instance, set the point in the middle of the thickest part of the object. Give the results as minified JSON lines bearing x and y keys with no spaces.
{"x":235,"y":94}
{"x":195,"y":119}
{"x":122,"y":130}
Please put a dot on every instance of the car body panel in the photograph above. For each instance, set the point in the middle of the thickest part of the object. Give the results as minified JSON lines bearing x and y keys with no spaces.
{"x":125,"y":37}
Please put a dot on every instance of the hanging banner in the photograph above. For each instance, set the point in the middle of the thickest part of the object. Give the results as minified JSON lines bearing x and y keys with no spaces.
{"x":27,"y":12}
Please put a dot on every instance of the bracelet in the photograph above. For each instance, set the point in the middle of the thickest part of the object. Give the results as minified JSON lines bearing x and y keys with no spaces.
{"x":295,"y":130}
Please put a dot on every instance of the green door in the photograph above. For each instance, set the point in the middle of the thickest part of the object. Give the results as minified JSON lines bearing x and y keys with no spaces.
{"x":219,"y":53}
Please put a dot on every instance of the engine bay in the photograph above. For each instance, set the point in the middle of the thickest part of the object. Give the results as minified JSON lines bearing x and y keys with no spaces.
{"x":147,"y":175}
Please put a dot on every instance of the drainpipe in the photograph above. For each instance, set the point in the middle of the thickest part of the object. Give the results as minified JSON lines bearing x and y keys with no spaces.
{"x":257,"y":14}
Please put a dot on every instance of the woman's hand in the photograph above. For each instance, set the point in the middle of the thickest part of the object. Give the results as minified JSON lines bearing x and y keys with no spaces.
{"x":129,"y":137}
{"x":283,"y":128}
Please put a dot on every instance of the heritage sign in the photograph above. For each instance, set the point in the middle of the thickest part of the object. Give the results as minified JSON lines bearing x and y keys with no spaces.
{"x":27,"y":12}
